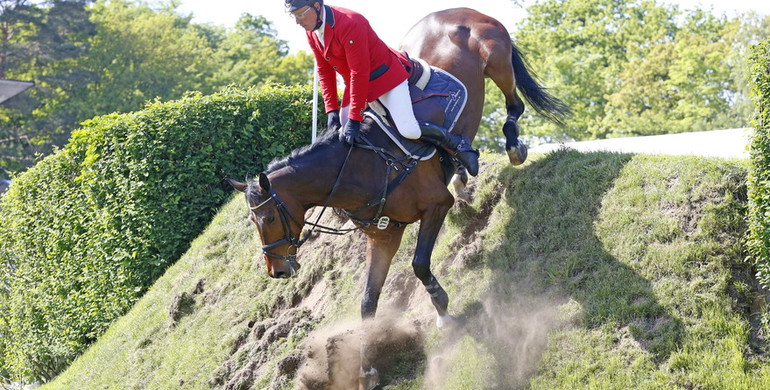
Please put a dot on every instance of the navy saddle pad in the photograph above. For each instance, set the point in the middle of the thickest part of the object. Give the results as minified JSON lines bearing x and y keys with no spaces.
{"x":441,"y":85}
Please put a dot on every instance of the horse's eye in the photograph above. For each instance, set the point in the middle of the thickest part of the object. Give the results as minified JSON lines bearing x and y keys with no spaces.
{"x":270,"y":219}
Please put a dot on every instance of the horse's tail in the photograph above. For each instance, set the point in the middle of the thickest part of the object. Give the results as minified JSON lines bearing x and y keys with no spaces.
{"x":544,"y":103}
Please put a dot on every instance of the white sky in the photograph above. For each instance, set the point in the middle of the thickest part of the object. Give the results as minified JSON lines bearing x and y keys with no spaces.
{"x":392,"y":18}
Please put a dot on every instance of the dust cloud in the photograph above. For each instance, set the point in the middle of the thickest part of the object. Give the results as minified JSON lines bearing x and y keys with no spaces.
{"x":511,"y":336}
{"x":508,"y":338}
{"x":332,"y":353}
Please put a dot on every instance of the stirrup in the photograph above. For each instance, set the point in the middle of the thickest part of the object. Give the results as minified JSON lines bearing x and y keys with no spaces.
{"x":459,"y":146}
{"x":466,"y":155}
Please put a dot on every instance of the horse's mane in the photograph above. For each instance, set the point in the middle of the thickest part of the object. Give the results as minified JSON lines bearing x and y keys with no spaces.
{"x":327,"y":138}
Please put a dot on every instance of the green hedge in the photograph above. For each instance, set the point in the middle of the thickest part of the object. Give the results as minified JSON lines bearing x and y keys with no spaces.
{"x":759,"y":171}
{"x":89,"y":228}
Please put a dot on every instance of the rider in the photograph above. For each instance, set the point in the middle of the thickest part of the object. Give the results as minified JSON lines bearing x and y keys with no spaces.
{"x":343,"y":41}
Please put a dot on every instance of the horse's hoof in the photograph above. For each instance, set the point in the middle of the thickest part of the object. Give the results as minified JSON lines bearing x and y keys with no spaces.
{"x":459,"y":183}
{"x":464,"y":196}
{"x":517,"y":154}
{"x":445,"y":321}
{"x":369,"y":380}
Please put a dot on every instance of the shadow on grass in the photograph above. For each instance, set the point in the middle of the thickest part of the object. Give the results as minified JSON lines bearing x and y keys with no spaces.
{"x":545,"y":255}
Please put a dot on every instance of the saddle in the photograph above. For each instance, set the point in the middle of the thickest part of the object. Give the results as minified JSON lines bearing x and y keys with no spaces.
{"x":425,"y":108}
{"x":437,"y":97}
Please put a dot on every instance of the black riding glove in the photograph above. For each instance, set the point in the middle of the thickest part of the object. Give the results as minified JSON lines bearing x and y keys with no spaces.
{"x":333,"y":122}
{"x":352,"y":128}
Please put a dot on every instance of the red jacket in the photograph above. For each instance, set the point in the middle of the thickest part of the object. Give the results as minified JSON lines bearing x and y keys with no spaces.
{"x":351,"y":48}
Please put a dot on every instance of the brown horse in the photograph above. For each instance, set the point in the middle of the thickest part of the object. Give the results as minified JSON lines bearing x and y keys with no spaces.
{"x":473,"y":46}
{"x":371,"y":184}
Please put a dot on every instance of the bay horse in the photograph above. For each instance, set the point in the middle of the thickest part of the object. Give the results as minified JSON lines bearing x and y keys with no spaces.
{"x":330,"y":173}
{"x":473,"y":46}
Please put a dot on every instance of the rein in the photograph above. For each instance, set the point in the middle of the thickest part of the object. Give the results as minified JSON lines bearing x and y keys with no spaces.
{"x":382,"y":222}
{"x":390,"y":160}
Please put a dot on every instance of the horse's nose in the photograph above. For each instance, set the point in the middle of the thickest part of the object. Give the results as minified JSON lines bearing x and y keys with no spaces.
{"x":280,"y":275}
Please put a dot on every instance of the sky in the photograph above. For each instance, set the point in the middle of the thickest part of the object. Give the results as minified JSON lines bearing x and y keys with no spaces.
{"x":391,"y":19}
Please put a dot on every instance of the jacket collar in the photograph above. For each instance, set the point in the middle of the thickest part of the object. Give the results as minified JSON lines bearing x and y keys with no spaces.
{"x":328,"y":28}
{"x":329,"y":16}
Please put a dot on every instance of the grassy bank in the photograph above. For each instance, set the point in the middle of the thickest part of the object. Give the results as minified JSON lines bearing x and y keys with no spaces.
{"x":573,"y":271}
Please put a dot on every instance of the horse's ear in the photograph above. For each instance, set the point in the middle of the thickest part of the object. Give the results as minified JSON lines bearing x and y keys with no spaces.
{"x":264,"y":182}
{"x":237,"y":185}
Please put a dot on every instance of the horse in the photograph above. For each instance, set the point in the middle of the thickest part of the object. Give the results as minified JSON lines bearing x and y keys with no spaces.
{"x":360,"y":180}
{"x":473,"y":46}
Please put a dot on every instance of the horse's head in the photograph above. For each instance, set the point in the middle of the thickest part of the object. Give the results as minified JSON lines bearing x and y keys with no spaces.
{"x":277,"y":225}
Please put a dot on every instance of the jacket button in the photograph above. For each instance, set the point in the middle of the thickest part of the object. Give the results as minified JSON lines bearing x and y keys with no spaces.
{"x":335,"y":67}
{"x":328,"y":59}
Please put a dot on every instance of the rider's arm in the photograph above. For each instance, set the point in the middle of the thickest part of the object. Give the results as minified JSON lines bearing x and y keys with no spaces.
{"x":327,"y":77}
{"x":354,"y":38}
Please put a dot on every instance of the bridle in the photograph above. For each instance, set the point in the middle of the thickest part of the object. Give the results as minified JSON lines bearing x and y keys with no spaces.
{"x":286,"y":217}
{"x":288,"y":234}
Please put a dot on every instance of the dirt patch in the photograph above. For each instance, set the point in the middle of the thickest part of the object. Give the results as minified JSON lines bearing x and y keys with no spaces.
{"x":403,"y":290}
{"x":332,"y":354}
{"x":184,"y":304}
{"x":255,"y":345}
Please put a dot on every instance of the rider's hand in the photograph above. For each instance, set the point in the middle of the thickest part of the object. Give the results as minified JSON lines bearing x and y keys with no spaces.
{"x":350,"y":133}
{"x":333,"y":122}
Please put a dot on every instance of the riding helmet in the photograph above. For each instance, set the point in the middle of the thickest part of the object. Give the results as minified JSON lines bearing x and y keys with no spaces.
{"x":293,"y":5}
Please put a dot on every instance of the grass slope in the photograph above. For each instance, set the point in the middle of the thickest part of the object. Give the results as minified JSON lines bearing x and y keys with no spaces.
{"x":596,"y":270}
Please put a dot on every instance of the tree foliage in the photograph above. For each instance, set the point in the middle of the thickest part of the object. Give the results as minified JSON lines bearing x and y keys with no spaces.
{"x":140,"y":54}
{"x":247,"y":56}
{"x":40,"y":45}
{"x":115,"y":56}
{"x":633,"y":68}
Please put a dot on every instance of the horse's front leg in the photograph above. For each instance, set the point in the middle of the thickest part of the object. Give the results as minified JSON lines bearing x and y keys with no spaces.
{"x":381,"y":246}
{"x":460,"y":183}
{"x":430,"y":225}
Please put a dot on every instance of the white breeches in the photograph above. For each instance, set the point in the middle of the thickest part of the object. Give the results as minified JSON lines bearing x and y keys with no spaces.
{"x":399,"y":104}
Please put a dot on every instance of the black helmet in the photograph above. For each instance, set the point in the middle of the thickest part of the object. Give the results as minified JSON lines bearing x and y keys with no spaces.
{"x":293,"y":5}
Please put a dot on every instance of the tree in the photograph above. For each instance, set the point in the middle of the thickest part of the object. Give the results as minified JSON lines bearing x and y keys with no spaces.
{"x":40,"y":44}
{"x":678,"y":85}
{"x":630,"y":68}
{"x":751,"y":29}
{"x":580,"y":46}
{"x":90,"y":60}
{"x":253,"y":55}
{"x":18,"y":20}
{"x":139,"y":54}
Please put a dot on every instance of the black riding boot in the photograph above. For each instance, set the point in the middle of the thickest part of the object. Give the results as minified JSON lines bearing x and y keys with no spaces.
{"x":459,"y":146}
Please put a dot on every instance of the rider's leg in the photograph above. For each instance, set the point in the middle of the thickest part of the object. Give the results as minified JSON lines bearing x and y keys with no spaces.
{"x":458,"y":146}
{"x":399,"y":104}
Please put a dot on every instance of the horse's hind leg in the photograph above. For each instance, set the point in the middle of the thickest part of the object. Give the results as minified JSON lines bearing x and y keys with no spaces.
{"x":380,"y":249}
{"x":517,"y":151}
{"x":500,"y":70}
